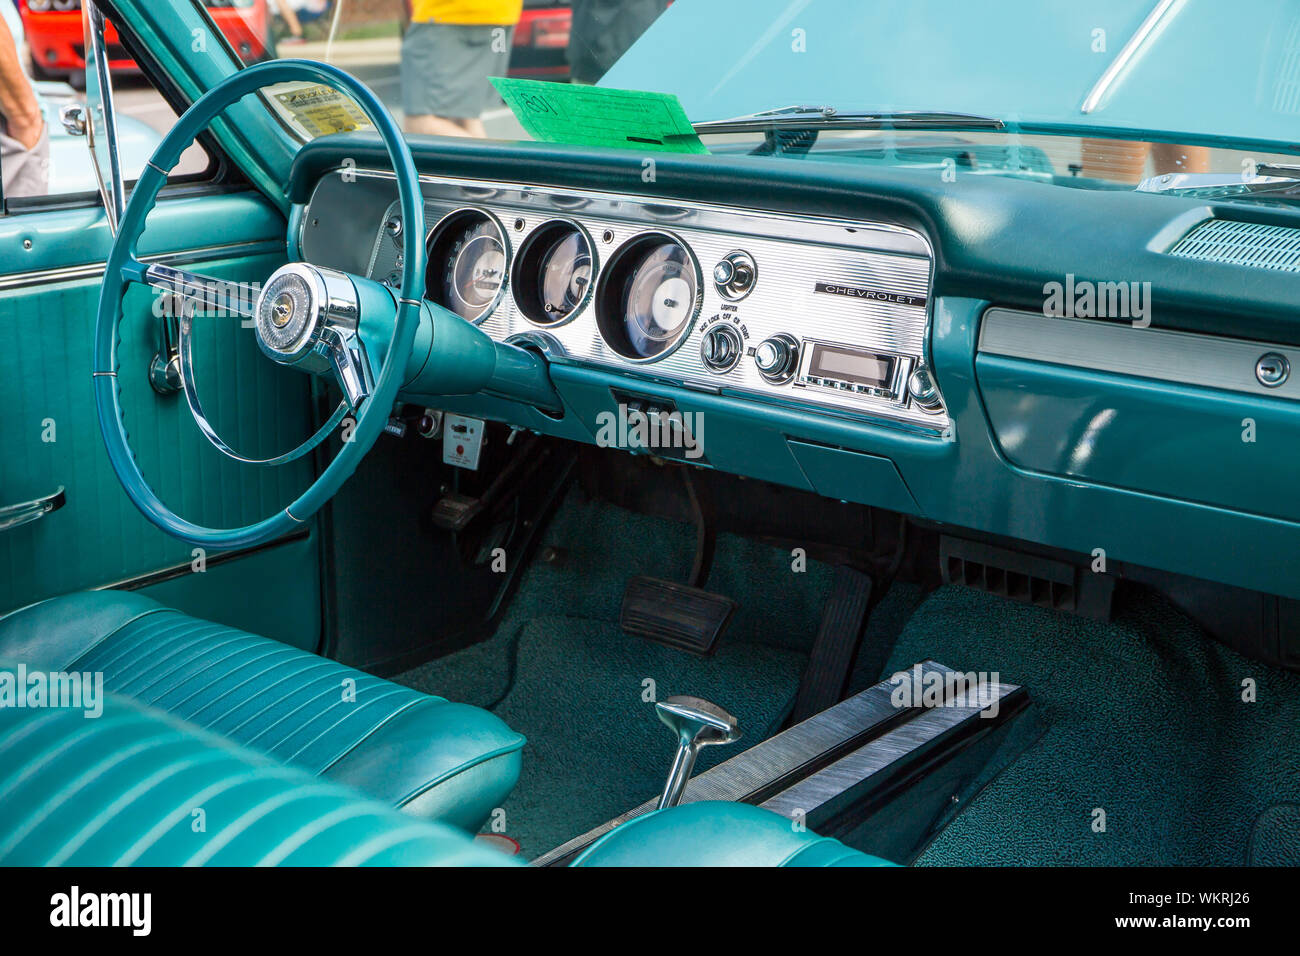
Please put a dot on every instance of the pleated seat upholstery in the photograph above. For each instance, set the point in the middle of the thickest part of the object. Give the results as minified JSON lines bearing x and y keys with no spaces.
{"x":429,"y":756}
{"x":137,"y":787}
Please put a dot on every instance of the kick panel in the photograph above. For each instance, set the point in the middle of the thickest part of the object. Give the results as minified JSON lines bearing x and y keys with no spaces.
{"x":809,"y":311}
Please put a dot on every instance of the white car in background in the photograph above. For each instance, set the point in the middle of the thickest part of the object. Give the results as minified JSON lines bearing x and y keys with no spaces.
{"x":71,"y":169}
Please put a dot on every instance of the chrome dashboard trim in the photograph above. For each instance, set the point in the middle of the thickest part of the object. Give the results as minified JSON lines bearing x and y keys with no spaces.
{"x":1182,"y":358}
{"x":793,"y":251}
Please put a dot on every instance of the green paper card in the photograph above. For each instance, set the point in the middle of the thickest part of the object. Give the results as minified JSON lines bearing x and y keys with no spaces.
{"x":596,"y":116}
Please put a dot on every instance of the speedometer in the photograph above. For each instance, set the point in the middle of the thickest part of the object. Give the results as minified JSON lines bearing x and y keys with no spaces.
{"x":648,"y":296}
{"x":467,"y":263}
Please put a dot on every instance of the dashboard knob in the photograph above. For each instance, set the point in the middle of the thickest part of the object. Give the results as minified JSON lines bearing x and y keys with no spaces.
{"x":735,"y":274}
{"x":776,"y":358}
{"x":924,"y":390}
{"x":721,"y":347}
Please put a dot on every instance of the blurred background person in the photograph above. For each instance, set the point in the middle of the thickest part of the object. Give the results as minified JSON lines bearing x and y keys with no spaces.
{"x":603,"y":30}
{"x":294,"y":13}
{"x":450,"y":49}
{"x":24,"y":140}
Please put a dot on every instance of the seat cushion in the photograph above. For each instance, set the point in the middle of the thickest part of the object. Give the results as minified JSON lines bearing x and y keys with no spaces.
{"x":137,"y":787}
{"x":714,"y":833}
{"x":422,"y":753}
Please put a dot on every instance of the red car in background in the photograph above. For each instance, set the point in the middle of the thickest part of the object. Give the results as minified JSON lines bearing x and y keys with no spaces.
{"x":54,"y":35}
{"x":541,"y":41}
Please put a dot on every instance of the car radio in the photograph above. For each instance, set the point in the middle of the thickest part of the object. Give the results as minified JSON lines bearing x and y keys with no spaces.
{"x":847,"y":369}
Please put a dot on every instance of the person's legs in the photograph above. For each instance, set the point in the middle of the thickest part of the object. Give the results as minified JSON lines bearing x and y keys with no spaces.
{"x":290,"y":18}
{"x":445,"y":70}
{"x":428,"y":125}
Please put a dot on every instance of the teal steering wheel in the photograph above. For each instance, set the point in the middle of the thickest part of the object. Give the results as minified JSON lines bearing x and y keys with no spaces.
{"x":315,"y":319}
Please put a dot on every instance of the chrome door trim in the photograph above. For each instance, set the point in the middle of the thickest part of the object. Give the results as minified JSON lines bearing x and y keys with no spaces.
{"x":15,"y":516}
{"x":91,"y":270}
{"x":112,"y":188}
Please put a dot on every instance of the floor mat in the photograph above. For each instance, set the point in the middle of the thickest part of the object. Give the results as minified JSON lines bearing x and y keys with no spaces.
{"x":560,"y":671}
{"x":595,"y":746}
{"x":1276,"y":840}
{"x":1146,"y":723}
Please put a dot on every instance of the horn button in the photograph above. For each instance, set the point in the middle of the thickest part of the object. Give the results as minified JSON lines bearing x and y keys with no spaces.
{"x":308,"y":317}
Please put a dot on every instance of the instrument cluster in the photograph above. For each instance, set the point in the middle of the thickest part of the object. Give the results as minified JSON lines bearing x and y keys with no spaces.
{"x":810,"y":311}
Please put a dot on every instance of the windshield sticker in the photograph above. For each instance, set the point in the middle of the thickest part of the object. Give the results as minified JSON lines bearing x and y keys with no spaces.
{"x":596,"y":116}
{"x":314,"y":109}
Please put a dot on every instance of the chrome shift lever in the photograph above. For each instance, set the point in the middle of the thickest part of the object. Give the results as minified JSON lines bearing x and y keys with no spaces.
{"x":697,"y":723}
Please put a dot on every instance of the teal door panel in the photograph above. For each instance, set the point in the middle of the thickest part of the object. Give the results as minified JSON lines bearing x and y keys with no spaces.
{"x":238,"y":592}
{"x":49,"y":436}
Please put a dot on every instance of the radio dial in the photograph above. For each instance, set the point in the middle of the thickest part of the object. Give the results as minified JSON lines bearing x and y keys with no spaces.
{"x":777,"y":358}
{"x":721,"y":347}
{"x":924,"y":391}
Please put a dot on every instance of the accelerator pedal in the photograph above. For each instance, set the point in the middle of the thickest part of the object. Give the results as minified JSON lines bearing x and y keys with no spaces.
{"x":831,"y":663}
{"x":675,"y":615}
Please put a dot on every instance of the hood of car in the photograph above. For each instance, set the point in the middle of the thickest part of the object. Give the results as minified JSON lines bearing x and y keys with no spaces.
{"x":1186,"y":67}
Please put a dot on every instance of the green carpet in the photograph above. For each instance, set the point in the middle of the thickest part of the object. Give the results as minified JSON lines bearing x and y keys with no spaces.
{"x":1276,"y":840}
{"x":560,"y":671}
{"x":1145,"y":721}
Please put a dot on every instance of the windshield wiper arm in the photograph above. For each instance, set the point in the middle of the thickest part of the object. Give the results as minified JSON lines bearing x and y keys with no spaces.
{"x":1270,"y":180}
{"x":828,"y":117}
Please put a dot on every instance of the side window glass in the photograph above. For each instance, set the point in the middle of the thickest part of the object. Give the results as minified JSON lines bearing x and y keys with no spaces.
{"x":42,"y":72}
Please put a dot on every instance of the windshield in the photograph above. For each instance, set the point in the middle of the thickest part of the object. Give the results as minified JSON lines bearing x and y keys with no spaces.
{"x":1170,"y":96}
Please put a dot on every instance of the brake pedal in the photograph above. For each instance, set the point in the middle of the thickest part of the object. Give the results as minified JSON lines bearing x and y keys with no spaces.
{"x":675,"y":615}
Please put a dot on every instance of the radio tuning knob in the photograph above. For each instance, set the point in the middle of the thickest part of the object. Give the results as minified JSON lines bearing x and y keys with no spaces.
{"x":924,"y":390}
{"x":721,"y":347}
{"x":777,"y":358}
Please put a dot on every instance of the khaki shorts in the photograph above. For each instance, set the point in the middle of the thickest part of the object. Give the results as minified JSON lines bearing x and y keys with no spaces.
{"x":26,"y":172}
{"x":445,"y":68}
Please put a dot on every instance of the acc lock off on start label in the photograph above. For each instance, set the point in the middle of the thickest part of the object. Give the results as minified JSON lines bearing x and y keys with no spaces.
{"x":462,"y":440}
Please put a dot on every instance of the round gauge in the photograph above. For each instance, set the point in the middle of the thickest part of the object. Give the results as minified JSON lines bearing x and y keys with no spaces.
{"x":552,"y":273}
{"x":648,"y":297}
{"x":467,"y":264}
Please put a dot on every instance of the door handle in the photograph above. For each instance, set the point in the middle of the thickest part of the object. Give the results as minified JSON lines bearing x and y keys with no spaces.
{"x":12,"y":516}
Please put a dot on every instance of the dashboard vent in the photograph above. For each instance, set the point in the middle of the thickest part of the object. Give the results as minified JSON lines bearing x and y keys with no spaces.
{"x":1243,"y":244}
{"x":1024,"y":577}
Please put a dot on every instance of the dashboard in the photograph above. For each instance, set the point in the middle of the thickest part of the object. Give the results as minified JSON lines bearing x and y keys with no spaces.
{"x":876,"y":335}
{"x":826,"y":314}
